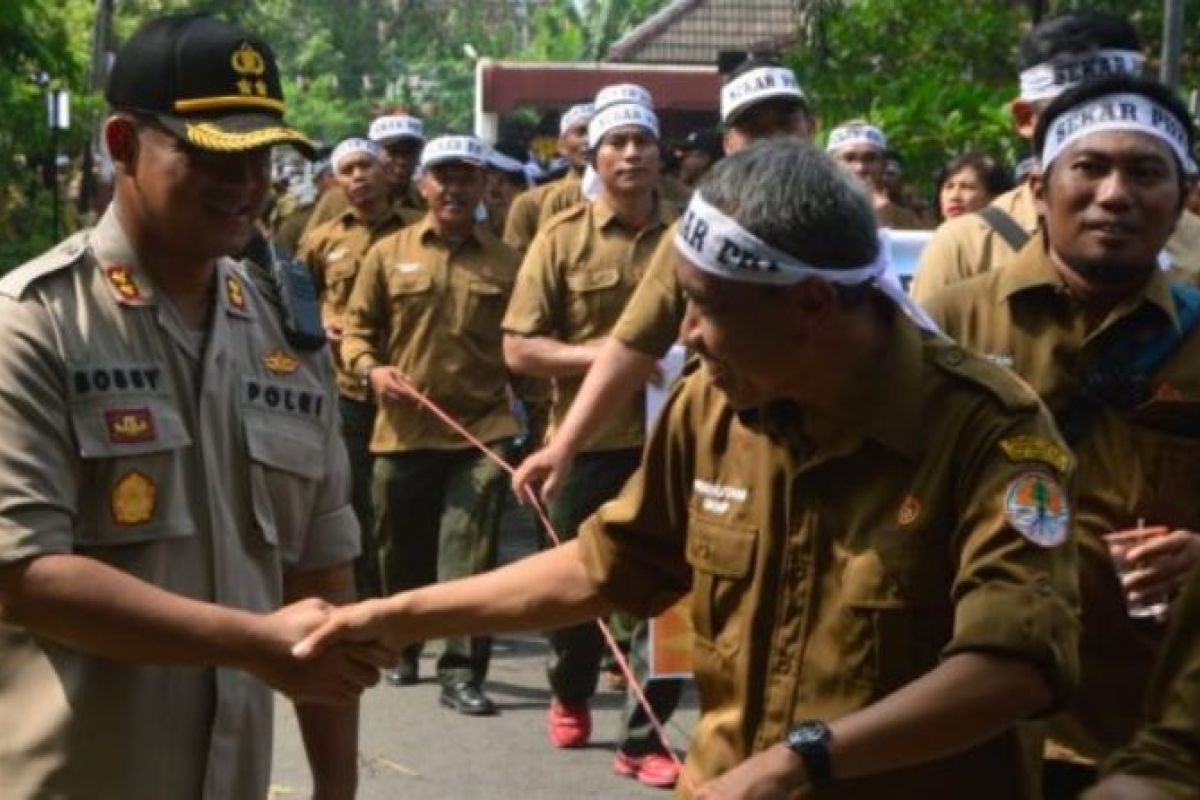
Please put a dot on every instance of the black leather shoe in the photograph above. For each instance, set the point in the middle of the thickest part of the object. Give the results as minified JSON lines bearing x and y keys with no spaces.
{"x":405,"y":674}
{"x":467,"y":698}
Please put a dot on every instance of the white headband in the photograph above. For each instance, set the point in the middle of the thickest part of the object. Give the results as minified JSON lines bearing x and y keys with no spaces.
{"x":1116,"y":112}
{"x":397,"y":126}
{"x":622,"y":93}
{"x":573,"y":116}
{"x":856,"y":133}
{"x":619,"y":116}
{"x":454,"y":148}
{"x":356,"y":145}
{"x":715,"y":243}
{"x":757,"y":85}
{"x":1052,"y":78}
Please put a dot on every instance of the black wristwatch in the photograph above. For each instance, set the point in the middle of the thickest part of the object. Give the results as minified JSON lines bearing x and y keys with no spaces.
{"x":810,"y":740}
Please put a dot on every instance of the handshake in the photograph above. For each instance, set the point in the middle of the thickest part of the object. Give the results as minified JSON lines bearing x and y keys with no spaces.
{"x":317,"y":653}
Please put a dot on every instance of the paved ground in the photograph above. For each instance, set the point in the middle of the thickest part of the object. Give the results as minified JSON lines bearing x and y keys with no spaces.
{"x":411,"y":748}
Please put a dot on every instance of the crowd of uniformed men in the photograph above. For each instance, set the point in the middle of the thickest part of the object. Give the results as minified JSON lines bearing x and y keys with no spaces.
{"x":938,"y":544}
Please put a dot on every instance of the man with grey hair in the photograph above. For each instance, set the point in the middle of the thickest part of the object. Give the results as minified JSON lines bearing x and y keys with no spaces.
{"x":879,"y":561}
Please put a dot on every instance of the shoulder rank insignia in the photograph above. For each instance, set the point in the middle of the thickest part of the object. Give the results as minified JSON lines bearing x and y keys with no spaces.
{"x":1036,"y":505}
{"x":1036,"y":448}
{"x":124,"y":285}
{"x":235,"y":293}
{"x":133,"y":499}
{"x":280,"y":362}
{"x":129,"y":425}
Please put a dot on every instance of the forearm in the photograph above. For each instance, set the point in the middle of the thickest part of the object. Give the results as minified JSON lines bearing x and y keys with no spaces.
{"x":543,"y":357}
{"x":330,"y":733}
{"x":967,"y":699}
{"x":89,"y":606}
{"x":544,"y":591}
{"x":618,"y":372}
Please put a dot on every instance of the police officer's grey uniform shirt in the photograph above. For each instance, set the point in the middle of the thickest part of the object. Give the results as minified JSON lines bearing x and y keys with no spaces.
{"x":208,"y":466}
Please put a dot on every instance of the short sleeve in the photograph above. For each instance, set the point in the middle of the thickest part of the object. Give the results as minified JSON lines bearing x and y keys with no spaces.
{"x":651,"y":320}
{"x":537,"y":294}
{"x":38,"y":457}
{"x":333,"y":536}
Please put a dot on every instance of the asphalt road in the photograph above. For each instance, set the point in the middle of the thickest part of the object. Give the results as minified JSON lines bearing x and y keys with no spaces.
{"x":411,"y":748}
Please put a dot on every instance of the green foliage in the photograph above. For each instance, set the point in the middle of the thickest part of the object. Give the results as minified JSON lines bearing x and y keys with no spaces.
{"x":936,"y":75}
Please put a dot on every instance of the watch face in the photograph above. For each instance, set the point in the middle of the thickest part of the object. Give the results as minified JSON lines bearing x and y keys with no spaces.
{"x":807,"y":734}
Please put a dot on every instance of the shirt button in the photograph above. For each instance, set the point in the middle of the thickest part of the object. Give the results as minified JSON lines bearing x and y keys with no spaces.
{"x":953,"y":357}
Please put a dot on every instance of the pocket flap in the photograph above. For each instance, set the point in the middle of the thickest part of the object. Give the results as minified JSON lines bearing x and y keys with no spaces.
{"x":132,"y":427}
{"x":592,"y":279}
{"x":280,"y":447}
{"x":867,"y":583}
{"x":719,"y":548}
{"x":415,"y":282}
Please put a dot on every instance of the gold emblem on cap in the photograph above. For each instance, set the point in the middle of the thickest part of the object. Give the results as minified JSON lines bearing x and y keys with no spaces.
{"x":280,"y":363}
{"x":133,"y":499}
{"x":250,"y":65}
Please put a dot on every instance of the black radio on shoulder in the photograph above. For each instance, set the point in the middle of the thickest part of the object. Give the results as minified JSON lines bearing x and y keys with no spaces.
{"x":288,"y":285}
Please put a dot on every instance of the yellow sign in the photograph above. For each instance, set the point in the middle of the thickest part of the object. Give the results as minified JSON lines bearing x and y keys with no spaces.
{"x":133,"y":499}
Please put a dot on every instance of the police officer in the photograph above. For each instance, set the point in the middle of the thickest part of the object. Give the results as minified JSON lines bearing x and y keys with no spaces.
{"x":171,"y":465}
{"x":522,"y":223}
{"x":861,"y":148}
{"x":573,"y":284}
{"x":881,"y":582}
{"x":760,"y":99}
{"x":402,"y":137}
{"x":424,"y":316}
{"x":334,"y":251}
{"x":1086,"y":315}
{"x":1162,"y":762}
{"x":1055,"y":55}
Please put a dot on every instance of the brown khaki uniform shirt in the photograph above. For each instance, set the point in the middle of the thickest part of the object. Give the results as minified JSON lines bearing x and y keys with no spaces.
{"x":651,"y":319}
{"x":334,"y":251}
{"x":522,"y":223}
{"x":823,"y":579}
{"x":1139,"y":464}
{"x":968,"y":245}
{"x":573,"y":285}
{"x":1166,"y":751}
{"x":434,"y":312}
{"x":208,"y":468}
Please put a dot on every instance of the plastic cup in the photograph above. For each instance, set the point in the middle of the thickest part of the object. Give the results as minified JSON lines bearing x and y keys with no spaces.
{"x":1120,"y":543}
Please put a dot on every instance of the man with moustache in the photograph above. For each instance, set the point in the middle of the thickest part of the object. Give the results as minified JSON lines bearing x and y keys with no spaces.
{"x":334,"y":251}
{"x":861,"y":149}
{"x":1086,"y":315}
{"x":424,"y":316}
{"x":172,"y":470}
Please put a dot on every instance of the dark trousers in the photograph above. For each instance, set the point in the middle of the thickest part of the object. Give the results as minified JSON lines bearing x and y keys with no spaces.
{"x":437,"y":513}
{"x":574,"y":663}
{"x":358,"y":421}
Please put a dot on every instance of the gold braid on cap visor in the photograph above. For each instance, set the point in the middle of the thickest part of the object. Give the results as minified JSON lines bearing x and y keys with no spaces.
{"x":210,"y":137}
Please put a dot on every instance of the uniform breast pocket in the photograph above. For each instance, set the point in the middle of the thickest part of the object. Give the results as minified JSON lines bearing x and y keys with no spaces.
{"x":406,"y":287}
{"x":480,"y":306}
{"x":339,"y":281}
{"x":895,"y":625}
{"x":594,"y":299}
{"x":132,"y":482}
{"x":287,"y":460}
{"x":722,"y":558}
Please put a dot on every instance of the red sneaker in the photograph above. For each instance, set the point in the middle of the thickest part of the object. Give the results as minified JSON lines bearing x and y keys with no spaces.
{"x":653,"y":769}
{"x":568,"y":726}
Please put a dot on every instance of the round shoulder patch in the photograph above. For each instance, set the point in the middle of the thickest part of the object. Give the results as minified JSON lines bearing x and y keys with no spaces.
{"x":1036,"y":505}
